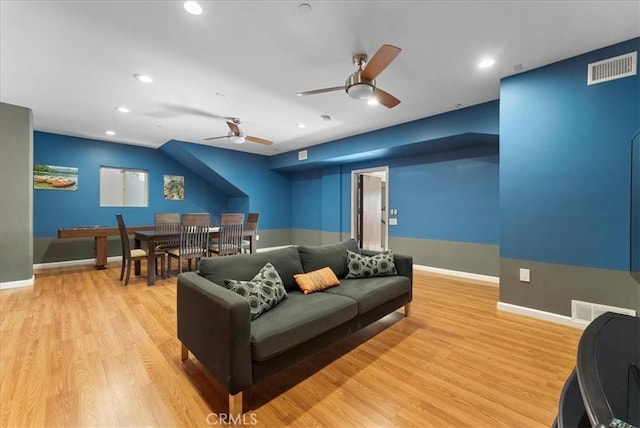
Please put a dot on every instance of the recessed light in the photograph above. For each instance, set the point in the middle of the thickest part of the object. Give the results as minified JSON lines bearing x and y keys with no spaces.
{"x":143,"y":78}
{"x":192,"y":7}
{"x":301,"y":125}
{"x":123,"y":109}
{"x":486,"y":63}
{"x":109,"y":132}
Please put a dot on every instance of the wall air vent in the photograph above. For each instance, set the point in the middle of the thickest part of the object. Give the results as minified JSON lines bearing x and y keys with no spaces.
{"x":613,"y":68}
{"x":585,"y":312}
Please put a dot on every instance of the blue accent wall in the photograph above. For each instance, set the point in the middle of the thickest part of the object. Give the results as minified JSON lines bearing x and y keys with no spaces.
{"x":450,"y":196}
{"x":54,"y":209}
{"x":565,"y":163}
{"x":246,"y":177}
{"x":306,"y":203}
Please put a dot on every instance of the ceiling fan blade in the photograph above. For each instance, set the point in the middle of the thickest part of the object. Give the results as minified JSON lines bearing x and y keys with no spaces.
{"x":216,"y":138}
{"x":258,"y":140}
{"x":320,"y":91}
{"x":380,"y":61}
{"x":385,"y":98}
{"x":234,"y":128}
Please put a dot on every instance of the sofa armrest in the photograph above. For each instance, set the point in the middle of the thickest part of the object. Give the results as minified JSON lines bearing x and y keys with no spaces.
{"x":404,"y":265}
{"x":215,"y":325}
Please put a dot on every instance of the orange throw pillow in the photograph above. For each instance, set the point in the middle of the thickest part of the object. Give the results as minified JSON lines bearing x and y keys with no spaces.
{"x":316,"y":280}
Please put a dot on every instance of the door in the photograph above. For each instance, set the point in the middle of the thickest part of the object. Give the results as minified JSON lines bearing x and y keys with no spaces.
{"x":370,"y":209}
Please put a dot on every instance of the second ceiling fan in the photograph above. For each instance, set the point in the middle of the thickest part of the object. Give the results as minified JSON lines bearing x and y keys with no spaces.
{"x":235,"y":135}
{"x":362,"y":83}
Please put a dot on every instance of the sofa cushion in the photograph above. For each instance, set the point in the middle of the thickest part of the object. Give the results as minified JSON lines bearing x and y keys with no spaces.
{"x":245,"y":266}
{"x":372,"y":292}
{"x":316,"y":280}
{"x":361,"y":266}
{"x":297,"y":319}
{"x":332,"y":255}
{"x":263,"y":292}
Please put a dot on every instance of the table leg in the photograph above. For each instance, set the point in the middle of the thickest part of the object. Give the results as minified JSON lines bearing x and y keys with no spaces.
{"x":151,"y":264}
{"x":101,"y":252}
{"x":136,"y":264}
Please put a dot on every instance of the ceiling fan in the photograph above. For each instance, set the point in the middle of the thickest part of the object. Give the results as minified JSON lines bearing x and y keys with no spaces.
{"x":235,"y":135}
{"x":362,"y":84}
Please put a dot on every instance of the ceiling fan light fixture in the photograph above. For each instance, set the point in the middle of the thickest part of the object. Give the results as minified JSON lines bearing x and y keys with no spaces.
{"x":360,"y":91}
{"x":237,"y":139}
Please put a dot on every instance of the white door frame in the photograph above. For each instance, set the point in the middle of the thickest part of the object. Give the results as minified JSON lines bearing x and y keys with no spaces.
{"x":354,"y":195}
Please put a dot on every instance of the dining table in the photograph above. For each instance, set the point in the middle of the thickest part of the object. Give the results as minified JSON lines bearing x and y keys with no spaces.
{"x":152,"y":238}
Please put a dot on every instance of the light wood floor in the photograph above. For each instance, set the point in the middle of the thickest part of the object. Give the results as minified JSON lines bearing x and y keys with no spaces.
{"x":79,"y":349}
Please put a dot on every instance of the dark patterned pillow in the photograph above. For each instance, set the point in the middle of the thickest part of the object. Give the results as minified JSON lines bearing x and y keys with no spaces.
{"x":263,"y":292}
{"x":361,"y":266}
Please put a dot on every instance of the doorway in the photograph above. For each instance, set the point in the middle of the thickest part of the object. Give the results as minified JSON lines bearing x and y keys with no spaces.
{"x":369,"y":201}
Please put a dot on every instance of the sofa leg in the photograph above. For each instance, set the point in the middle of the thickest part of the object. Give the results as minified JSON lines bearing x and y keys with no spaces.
{"x":407,"y":309}
{"x":235,"y":404}
{"x":185,"y":352}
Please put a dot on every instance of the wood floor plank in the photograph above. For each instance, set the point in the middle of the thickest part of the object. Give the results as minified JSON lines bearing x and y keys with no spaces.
{"x":80,"y":349}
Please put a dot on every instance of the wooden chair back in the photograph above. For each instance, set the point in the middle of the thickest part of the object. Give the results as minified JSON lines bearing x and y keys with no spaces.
{"x":252,"y":222}
{"x":124,"y":237}
{"x":167,"y":223}
{"x":194,"y":235}
{"x":231,"y":229}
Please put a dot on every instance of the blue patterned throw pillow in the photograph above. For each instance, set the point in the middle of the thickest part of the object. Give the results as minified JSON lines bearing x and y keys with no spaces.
{"x":263,"y":292}
{"x":361,"y":266}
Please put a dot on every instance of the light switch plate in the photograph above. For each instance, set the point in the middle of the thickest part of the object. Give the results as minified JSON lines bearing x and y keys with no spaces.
{"x":393,"y":221}
{"x":525,"y":275}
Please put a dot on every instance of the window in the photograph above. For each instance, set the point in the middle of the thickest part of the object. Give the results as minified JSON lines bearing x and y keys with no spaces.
{"x":122,"y":187}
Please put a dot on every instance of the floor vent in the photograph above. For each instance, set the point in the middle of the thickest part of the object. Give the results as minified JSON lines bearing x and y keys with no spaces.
{"x":613,"y":68}
{"x":586,"y":312}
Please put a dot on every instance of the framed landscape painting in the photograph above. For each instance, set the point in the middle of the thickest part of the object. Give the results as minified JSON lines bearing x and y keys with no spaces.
{"x":174,"y":187}
{"x":51,"y":177}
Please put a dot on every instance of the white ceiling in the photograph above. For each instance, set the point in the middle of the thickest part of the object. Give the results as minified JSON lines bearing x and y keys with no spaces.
{"x":72,"y":62}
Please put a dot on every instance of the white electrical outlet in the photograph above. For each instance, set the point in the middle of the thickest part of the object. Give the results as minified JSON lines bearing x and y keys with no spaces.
{"x":525,"y":275}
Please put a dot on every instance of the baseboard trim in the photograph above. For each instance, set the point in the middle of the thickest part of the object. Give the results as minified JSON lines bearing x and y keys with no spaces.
{"x":541,"y":315}
{"x":17,"y":284}
{"x":487,"y":279}
{"x":69,"y":263}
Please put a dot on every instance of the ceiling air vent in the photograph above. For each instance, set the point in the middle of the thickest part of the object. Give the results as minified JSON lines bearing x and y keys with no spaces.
{"x":613,"y":68}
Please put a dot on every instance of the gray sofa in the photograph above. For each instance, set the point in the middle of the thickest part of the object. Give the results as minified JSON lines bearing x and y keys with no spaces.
{"x":214,"y":323}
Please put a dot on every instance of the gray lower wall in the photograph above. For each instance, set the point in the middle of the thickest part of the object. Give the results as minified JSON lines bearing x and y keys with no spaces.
{"x":315,"y":237}
{"x":553,"y":286}
{"x":16,"y":194}
{"x":51,"y":249}
{"x":483,"y":259}
{"x":273,"y":238}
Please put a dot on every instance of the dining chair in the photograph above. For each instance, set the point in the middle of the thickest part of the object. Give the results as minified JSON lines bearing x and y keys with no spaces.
{"x":168,"y":223}
{"x":194,"y":240}
{"x":130,"y":255}
{"x":252,"y":224}
{"x":230,"y":236}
